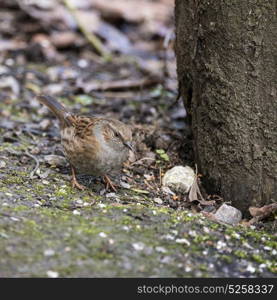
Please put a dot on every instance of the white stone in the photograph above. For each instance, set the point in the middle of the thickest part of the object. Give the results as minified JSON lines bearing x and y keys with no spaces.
{"x":183,"y":241}
{"x":167,"y":190}
{"x":188,"y":269}
{"x":220,"y":245}
{"x":55,"y":160}
{"x":49,"y":252}
{"x":52,"y":274}
{"x":228,"y":214}
{"x":161,"y":249}
{"x":111,"y":195}
{"x":138,"y":246}
{"x":158,"y":200}
{"x":179,"y":178}
{"x":82,"y":63}
{"x":2,"y":164}
{"x":102,"y":234}
{"x":250,"y":269}
{"x":169,"y":237}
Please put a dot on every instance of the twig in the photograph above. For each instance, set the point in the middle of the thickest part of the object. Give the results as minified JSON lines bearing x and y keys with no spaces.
{"x":36,"y":166}
{"x":92,"y":38}
{"x":167,"y":39}
{"x":142,"y":159}
{"x":160,"y":176}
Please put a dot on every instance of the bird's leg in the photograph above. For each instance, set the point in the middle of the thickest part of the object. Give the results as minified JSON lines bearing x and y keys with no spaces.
{"x":109,"y":183}
{"x":74,"y":181}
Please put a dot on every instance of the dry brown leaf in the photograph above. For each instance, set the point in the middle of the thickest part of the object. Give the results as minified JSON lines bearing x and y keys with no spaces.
{"x":116,"y":85}
{"x":260,"y":213}
{"x":263,"y":211}
{"x":194,"y":192}
{"x":63,"y":39}
{"x":133,"y":11}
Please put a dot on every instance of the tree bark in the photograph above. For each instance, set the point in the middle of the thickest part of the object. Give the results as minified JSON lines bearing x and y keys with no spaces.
{"x":226,"y":65}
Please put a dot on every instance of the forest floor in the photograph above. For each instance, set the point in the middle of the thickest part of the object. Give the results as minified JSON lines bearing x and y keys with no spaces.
{"x":48,"y":229}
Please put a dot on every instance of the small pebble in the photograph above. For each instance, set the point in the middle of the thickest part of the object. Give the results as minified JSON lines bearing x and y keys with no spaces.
{"x":158,"y":200}
{"x":2,"y":164}
{"x":111,"y":195}
{"x":138,"y":246}
{"x":169,"y":237}
{"x":188,"y":269}
{"x":44,"y":124}
{"x":161,"y":249}
{"x":35,"y":151}
{"x":167,"y":190}
{"x":166,"y":260}
{"x":49,"y":252}
{"x":250,"y":269}
{"x":102,"y":234}
{"x":52,"y":274}
{"x":55,"y":160}
{"x":82,"y":63}
{"x":220,"y":245}
{"x":183,"y":241}
{"x":125,"y":185}
{"x":228,"y":214}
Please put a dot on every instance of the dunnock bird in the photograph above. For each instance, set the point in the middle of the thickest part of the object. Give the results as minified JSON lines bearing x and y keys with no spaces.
{"x":93,"y":145}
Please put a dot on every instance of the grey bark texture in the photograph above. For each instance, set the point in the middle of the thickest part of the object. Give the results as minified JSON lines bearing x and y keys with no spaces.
{"x":226,"y":64}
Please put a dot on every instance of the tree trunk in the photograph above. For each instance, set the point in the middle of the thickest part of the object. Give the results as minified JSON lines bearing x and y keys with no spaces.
{"x":226,"y":64}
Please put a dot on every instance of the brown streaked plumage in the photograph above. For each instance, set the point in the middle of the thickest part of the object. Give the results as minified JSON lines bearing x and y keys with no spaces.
{"x":92,"y":145}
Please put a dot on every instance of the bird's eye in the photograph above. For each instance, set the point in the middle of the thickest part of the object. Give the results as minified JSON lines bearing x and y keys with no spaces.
{"x":116,"y":134}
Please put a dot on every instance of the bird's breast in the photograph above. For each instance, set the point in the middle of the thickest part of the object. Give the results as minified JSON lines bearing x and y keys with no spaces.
{"x":89,"y":156}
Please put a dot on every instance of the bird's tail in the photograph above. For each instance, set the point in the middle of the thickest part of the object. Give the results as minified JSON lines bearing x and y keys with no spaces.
{"x":57,"y":109}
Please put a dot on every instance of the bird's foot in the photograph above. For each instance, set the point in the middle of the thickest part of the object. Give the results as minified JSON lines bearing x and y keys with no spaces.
{"x":109,"y":183}
{"x":74,"y":181}
{"x":76,"y":184}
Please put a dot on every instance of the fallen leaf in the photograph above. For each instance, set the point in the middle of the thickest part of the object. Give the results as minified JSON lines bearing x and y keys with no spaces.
{"x":195,"y":194}
{"x":263,"y":211}
{"x":140,"y":191}
{"x":95,"y":85}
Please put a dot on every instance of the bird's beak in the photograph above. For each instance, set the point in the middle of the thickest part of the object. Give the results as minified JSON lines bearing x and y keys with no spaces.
{"x":129,"y":145}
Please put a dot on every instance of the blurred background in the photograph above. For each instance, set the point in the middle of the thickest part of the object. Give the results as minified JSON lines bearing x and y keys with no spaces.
{"x":115,"y":56}
{"x":89,"y":33}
